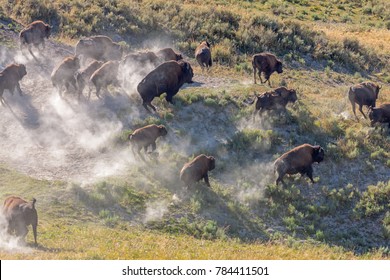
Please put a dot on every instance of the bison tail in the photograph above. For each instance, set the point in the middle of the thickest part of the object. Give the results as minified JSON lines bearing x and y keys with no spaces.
{"x":33,"y":202}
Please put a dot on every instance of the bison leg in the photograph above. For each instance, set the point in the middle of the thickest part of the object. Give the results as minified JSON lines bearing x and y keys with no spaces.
{"x":309,"y":173}
{"x":98,"y":88}
{"x":361,"y":110}
{"x":153,"y":146}
{"x":169,"y":97}
{"x":146,"y":104}
{"x":206,"y":179}
{"x":19,"y":89}
{"x":254,"y":74}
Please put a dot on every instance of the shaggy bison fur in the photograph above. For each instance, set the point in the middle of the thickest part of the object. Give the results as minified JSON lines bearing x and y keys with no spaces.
{"x":34,"y":34}
{"x":10,"y":77}
{"x":167,"y":77}
{"x":19,"y":214}
{"x":380,"y":114}
{"x":104,"y":76}
{"x":203,"y":55}
{"x":169,"y":54}
{"x":266,"y":63}
{"x":100,"y":48}
{"x":146,"y":136}
{"x":83,"y":76}
{"x":365,"y":93}
{"x":64,"y":74}
{"x":298,"y":160}
{"x":197,"y":169}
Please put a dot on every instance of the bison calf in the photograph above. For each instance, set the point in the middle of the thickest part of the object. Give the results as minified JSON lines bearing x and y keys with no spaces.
{"x":64,"y":74}
{"x":275,"y":99}
{"x":104,"y":76}
{"x":146,"y":136}
{"x":10,"y":77}
{"x":34,"y":34}
{"x":19,"y":214}
{"x":298,"y":160}
{"x":380,"y":114}
{"x":83,"y":76}
{"x":365,"y":93}
{"x":197,"y":169}
{"x":266,"y":63}
{"x":203,"y":55}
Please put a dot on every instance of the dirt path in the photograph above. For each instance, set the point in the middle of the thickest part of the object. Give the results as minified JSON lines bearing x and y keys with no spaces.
{"x":47,"y":137}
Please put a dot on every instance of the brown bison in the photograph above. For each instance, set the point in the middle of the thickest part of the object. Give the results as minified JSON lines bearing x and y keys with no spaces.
{"x":380,"y":114}
{"x":99,"y":48}
{"x":203,"y":55}
{"x":83,"y":76}
{"x":197,"y":169}
{"x":169,"y":54}
{"x":146,"y":136}
{"x":64,"y":73}
{"x":19,"y":214}
{"x":298,"y":160}
{"x":104,"y":76}
{"x":167,"y":77}
{"x":10,"y":77}
{"x":34,"y":34}
{"x":274,"y":99}
{"x":365,"y":93}
{"x":266,"y":63}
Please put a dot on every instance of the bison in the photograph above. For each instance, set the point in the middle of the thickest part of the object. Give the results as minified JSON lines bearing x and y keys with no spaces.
{"x":104,"y":76}
{"x":197,"y":169}
{"x":64,"y":73}
{"x":167,"y":77}
{"x":10,"y":77}
{"x":274,"y":99}
{"x":380,"y":114}
{"x":99,"y":48}
{"x":83,"y":76}
{"x":34,"y":34}
{"x":267,"y":63}
{"x":298,"y":160}
{"x":203,"y":55}
{"x":365,"y":93}
{"x":146,"y":136}
{"x":19,"y":214}
{"x":169,"y":54}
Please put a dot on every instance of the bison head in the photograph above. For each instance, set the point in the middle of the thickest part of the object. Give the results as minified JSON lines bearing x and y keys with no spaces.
{"x":318,"y":154}
{"x":22,"y":70}
{"x":279,"y":67}
{"x":375,"y":115}
{"x":47,"y":31}
{"x":292,"y":96}
{"x":211,"y":162}
{"x":162,"y":130}
{"x":188,"y":74}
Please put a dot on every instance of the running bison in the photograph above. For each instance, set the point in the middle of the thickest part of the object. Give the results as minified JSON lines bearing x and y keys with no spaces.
{"x":203,"y":55}
{"x":380,"y":114}
{"x":100,"y":48}
{"x":146,"y":136}
{"x":104,"y":76}
{"x":266,"y":63}
{"x":167,"y":77}
{"x":365,"y":93}
{"x":274,"y":99}
{"x":298,"y":160}
{"x":34,"y":34}
{"x":169,"y":54}
{"x":10,"y":77}
{"x":64,"y":74}
{"x":197,"y":169}
{"x":83,"y":76}
{"x":19,"y":214}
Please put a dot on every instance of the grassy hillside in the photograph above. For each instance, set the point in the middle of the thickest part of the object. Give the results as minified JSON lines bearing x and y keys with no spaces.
{"x":144,"y":211}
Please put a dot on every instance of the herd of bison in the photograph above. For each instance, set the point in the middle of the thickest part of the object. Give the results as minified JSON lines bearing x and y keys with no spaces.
{"x":104,"y":59}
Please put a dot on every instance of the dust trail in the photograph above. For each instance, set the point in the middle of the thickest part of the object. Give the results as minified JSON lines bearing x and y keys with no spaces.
{"x":8,"y":242}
